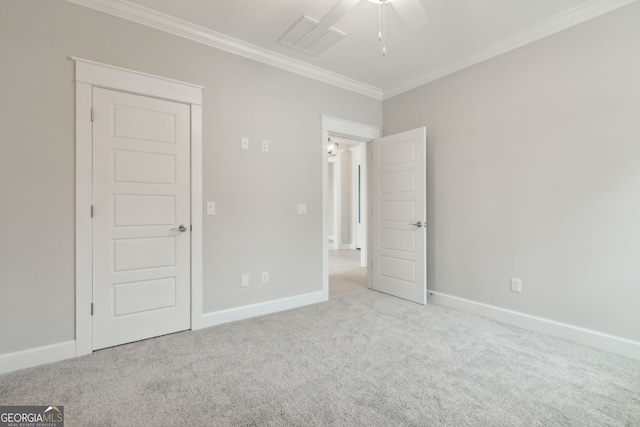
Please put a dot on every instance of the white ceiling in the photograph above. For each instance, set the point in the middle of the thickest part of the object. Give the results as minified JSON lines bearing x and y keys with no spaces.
{"x":459,"y":33}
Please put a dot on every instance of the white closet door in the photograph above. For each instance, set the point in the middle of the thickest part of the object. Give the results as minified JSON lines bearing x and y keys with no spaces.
{"x":141,"y":223}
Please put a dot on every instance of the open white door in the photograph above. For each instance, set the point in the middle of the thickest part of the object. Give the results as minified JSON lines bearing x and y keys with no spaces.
{"x":141,"y":221}
{"x":399,"y":202}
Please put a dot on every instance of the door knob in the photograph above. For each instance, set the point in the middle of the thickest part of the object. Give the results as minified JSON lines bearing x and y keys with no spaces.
{"x":417,"y":224}
{"x":181,"y":229}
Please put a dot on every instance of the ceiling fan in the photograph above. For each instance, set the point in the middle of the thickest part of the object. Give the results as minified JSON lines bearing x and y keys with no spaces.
{"x":411,"y":11}
{"x":313,"y":37}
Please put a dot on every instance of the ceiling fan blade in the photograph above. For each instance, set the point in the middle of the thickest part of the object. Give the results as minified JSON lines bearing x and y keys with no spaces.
{"x":412,"y":11}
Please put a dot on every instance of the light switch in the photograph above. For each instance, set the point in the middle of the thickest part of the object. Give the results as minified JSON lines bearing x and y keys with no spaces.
{"x":302,"y":208}
{"x":244,"y":143}
{"x":211,"y":208}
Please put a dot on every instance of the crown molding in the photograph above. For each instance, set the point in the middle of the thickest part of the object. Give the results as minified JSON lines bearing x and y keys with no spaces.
{"x":550,"y":26}
{"x":160,"y":21}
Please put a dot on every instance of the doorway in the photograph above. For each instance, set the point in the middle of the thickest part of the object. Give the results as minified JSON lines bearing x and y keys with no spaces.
{"x":346,"y":240}
{"x":395,"y":209}
{"x":346,"y":209}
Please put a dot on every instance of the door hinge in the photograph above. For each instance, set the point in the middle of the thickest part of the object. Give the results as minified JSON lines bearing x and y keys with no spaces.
{"x":91,"y":113}
{"x":191,"y":228}
{"x":92,"y":309}
{"x":91,"y":211}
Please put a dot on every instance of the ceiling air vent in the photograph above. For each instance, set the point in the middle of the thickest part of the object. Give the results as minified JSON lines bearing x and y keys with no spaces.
{"x":306,"y":36}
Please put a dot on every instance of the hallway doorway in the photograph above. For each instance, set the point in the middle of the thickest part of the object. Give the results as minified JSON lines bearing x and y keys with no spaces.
{"x":345,"y":246}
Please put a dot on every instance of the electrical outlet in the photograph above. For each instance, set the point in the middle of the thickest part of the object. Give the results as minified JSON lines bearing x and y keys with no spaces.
{"x":516,"y":285}
{"x":265,"y":145}
{"x":245,"y":280}
{"x":265,"y":277}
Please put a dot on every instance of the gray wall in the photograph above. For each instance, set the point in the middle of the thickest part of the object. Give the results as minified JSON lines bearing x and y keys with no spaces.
{"x":255,"y":228}
{"x":534,"y":172}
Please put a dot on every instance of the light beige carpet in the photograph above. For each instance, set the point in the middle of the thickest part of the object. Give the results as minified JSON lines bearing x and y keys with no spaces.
{"x":360,"y":360}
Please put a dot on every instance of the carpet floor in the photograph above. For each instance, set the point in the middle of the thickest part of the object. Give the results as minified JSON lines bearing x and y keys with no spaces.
{"x":346,"y":277}
{"x":361,"y":360}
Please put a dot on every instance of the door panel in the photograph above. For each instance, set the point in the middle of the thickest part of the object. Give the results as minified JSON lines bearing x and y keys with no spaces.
{"x":159,"y":168}
{"x":146,"y":211}
{"x":141,"y":253}
{"x":399,"y":205}
{"x":398,"y":240}
{"x":144,"y":124}
{"x":141,"y":187}
{"x":397,"y":210}
{"x":146,"y":295}
{"x":397,"y":182}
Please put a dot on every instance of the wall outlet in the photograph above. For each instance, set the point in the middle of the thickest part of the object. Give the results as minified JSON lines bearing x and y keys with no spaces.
{"x":245,"y":280}
{"x":265,"y":145}
{"x":516,"y":285}
{"x":265,"y":277}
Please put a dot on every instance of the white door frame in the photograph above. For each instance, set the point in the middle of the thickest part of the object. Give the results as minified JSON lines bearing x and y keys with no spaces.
{"x":350,"y":130}
{"x":91,"y":74}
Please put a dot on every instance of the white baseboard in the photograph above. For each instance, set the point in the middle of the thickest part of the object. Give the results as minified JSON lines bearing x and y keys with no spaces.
{"x":66,"y":350}
{"x":611,"y":343}
{"x":37,"y":356}
{"x":253,"y":310}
